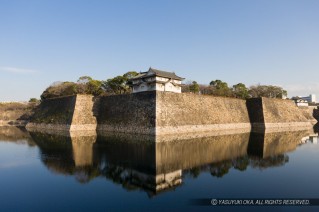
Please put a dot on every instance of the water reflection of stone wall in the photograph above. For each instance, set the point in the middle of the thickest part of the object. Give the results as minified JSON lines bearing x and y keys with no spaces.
{"x":186,"y":154}
{"x":136,"y":152}
{"x":264,"y":145}
{"x":83,"y":150}
{"x":131,"y":161}
{"x":67,"y":154}
{"x":137,"y":162}
{"x":270,"y":149}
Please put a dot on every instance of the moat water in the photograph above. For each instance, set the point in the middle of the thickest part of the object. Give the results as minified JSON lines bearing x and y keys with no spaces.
{"x":88,"y":172}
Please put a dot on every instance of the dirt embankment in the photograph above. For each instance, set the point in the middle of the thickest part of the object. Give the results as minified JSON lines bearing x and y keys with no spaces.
{"x":15,"y":113}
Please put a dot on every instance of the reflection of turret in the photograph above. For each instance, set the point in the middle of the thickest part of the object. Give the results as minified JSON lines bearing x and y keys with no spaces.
{"x":131,"y":179}
{"x":156,"y":166}
{"x":68,"y":154}
{"x":168,"y":179}
{"x":124,"y":150}
{"x":131,"y":161}
{"x":15,"y":134}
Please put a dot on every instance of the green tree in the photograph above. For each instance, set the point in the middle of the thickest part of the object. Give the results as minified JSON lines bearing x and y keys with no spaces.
{"x":33,"y":100}
{"x":218,"y":84}
{"x":241,"y":163}
{"x":220,"y":88}
{"x":195,"y":172}
{"x":84,"y":85}
{"x":240,"y":91}
{"x":94,"y":87}
{"x":284,"y":94}
{"x":130,"y":74}
{"x":271,"y":161}
{"x":194,"y":87}
{"x":220,"y":169}
{"x":119,"y":84}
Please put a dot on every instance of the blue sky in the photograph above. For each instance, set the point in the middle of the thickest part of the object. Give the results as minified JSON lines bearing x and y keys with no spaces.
{"x":249,"y":41}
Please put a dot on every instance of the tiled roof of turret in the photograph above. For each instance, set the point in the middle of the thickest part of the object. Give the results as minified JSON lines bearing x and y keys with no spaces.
{"x":159,"y":73}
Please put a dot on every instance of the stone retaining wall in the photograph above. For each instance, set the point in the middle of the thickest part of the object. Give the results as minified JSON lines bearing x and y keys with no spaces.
{"x":162,"y":113}
{"x":72,"y":113}
{"x":278,"y":113}
{"x":131,"y":113}
{"x":186,"y":113}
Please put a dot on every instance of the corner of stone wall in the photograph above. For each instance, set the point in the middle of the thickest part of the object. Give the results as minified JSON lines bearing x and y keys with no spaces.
{"x":255,"y":112}
{"x":83,"y":115}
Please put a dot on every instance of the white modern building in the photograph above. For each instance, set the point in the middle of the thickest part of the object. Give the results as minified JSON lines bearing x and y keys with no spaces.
{"x":157,"y":80}
{"x":301,"y":102}
{"x":311,"y":98}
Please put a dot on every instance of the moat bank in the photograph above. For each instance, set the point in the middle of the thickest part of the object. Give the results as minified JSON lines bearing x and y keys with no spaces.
{"x":16,"y":113}
{"x":159,"y":113}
